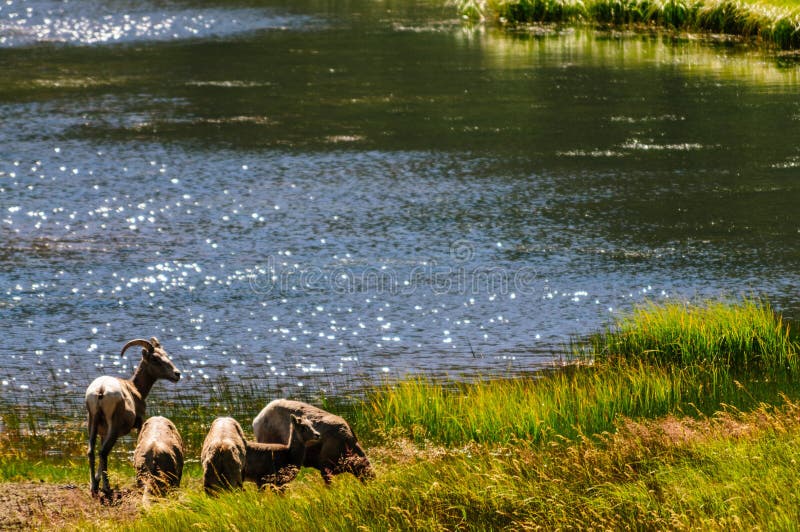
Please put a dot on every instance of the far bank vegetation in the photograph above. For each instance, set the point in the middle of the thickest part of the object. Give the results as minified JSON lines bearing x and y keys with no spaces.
{"x":775,"y":23}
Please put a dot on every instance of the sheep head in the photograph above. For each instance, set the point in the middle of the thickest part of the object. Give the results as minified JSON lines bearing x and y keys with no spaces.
{"x":155,"y":359}
{"x":304,"y":430}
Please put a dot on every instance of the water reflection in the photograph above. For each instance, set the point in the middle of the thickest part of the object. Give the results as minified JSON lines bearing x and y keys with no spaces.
{"x":692,"y":55}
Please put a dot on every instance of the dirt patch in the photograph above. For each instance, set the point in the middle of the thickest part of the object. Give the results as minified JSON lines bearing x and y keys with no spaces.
{"x":40,"y":505}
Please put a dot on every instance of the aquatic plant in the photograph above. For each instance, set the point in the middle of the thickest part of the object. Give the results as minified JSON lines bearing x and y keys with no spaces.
{"x":660,"y":359}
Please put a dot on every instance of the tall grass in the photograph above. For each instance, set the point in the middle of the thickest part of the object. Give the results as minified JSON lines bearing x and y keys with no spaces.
{"x":744,"y":338}
{"x":567,"y":403}
{"x":661,"y":359}
{"x":774,"y":22}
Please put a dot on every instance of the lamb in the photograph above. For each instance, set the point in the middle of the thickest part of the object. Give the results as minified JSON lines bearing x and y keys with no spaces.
{"x":115,"y":405}
{"x":336,"y":452}
{"x":277,"y":463}
{"x":223,"y":455}
{"x":158,"y":458}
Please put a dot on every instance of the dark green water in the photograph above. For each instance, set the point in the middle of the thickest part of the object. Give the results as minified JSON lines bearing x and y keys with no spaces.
{"x":320,"y":195}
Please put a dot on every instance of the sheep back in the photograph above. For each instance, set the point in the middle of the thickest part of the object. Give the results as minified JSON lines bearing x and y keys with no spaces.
{"x":223,"y":455}
{"x":109,"y":398}
{"x":337,"y":451}
{"x":158,"y":458}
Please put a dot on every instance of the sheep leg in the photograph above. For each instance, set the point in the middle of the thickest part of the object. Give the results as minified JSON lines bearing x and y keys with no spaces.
{"x":105,"y":450}
{"x":92,"y":437}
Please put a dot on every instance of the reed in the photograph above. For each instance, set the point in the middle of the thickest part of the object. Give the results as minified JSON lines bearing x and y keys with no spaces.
{"x":773,"y":22}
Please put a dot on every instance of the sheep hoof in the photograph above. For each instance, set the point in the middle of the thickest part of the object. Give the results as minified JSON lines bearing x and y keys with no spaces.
{"x":109,"y":498}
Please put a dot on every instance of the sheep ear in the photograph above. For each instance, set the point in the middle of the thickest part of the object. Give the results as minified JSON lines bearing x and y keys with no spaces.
{"x":295,"y":419}
{"x":146,"y":354}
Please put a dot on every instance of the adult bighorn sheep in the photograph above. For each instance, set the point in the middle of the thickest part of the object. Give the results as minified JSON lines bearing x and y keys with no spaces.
{"x":278,"y":463}
{"x":336,"y":452}
{"x":116,"y":405}
{"x":223,"y":455}
{"x":158,"y":458}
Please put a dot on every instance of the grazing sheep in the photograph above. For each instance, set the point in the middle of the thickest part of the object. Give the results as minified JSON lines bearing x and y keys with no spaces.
{"x":223,"y":455}
{"x":336,"y":452}
{"x":115,"y":406}
{"x":278,"y":463}
{"x":158,"y":458}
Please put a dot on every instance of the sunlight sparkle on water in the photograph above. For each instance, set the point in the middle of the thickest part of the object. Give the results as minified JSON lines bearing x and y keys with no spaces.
{"x":91,"y":22}
{"x":260,"y":255}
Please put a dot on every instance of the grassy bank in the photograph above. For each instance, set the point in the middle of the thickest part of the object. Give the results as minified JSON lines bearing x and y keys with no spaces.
{"x":677,"y":416}
{"x":772,"y":22}
{"x":660,"y":360}
{"x":732,"y":470}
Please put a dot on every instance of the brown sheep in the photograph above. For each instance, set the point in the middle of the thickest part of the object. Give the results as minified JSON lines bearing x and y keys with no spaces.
{"x":338,"y":450}
{"x":277,"y":463}
{"x":115,"y":406}
{"x":158,"y":458}
{"x":223,"y":455}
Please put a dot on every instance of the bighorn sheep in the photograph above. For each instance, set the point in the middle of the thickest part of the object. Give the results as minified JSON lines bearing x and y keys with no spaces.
{"x":336,"y":452}
{"x":158,"y":458}
{"x":272,"y":462}
{"x":116,"y":406}
{"x":223,"y":455}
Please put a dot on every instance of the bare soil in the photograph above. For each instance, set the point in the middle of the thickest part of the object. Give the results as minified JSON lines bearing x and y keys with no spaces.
{"x":45,"y":506}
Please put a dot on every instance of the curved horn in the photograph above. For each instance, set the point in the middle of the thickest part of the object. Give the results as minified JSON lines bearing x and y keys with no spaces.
{"x":140,"y":342}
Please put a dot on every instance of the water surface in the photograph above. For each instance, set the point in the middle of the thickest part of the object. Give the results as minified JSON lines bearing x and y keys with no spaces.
{"x":317,"y":197}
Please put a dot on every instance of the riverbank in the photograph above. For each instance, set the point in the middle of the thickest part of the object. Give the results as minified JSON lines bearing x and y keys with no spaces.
{"x":774,"y":23}
{"x":677,"y":416}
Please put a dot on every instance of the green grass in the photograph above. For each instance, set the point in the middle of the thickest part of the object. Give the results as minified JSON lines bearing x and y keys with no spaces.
{"x":662,"y":359}
{"x":744,"y":338}
{"x":773,"y":22}
{"x":563,"y":404}
{"x":677,"y":416}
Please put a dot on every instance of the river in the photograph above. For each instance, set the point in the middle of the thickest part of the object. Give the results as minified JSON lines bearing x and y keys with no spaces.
{"x":314,"y":196}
